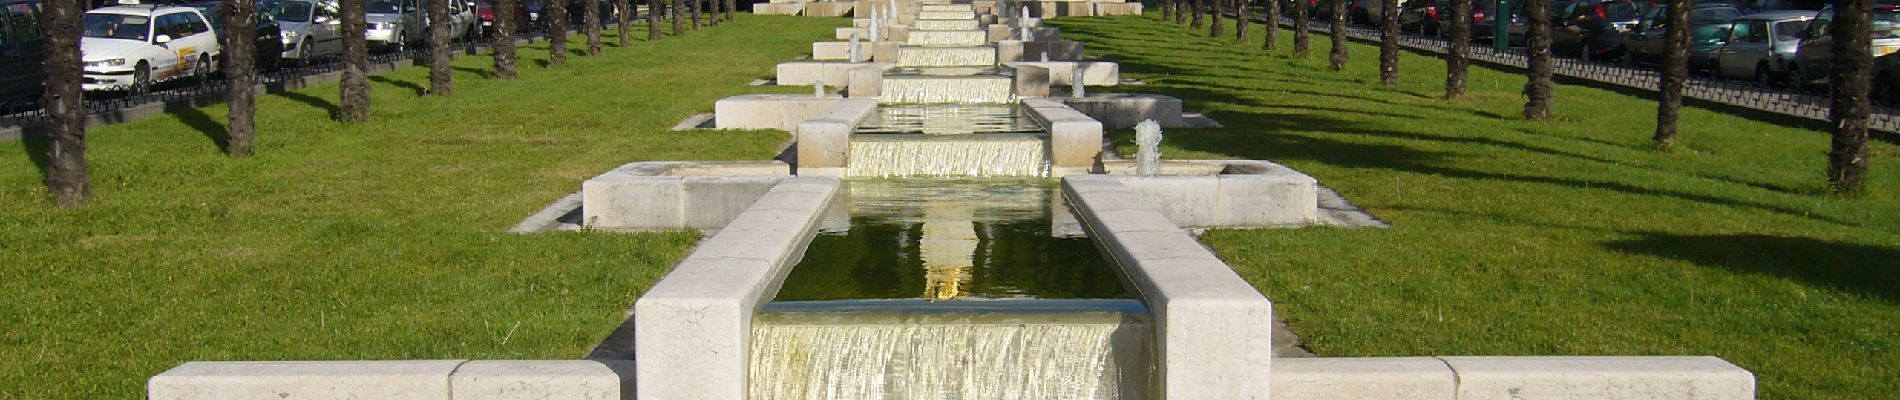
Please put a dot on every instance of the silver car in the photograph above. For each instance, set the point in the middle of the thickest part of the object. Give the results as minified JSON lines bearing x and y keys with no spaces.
{"x":311,"y":29}
{"x":1761,"y":45}
{"x":1814,"y":56}
{"x":394,"y":23}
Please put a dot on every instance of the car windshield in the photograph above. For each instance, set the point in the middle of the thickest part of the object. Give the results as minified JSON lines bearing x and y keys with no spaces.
{"x":289,"y":11}
{"x":1785,"y":30}
{"x":1709,"y":32}
{"x":384,"y":7}
{"x":1620,"y":11}
{"x":1715,"y":14}
{"x":118,"y":26}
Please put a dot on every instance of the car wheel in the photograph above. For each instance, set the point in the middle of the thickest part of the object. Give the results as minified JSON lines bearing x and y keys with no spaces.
{"x":202,"y":72}
{"x":1628,"y":58}
{"x":1763,"y":77}
{"x":1584,"y":53}
{"x":141,"y":78}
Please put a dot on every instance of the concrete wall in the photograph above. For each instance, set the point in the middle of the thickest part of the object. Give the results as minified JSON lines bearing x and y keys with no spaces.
{"x":771,"y":111}
{"x":825,"y":141}
{"x":805,"y":73}
{"x":828,"y":9}
{"x":1094,"y":73}
{"x":1124,"y":110}
{"x":1017,"y":50}
{"x":1244,"y":194}
{"x":1213,"y":328}
{"x":1031,"y":81}
{"x":417,"y":380}
{"x":1485,"y":378}
{"x":778,"y":8}
{"x":693,"y":328}
{"x":676,"y":195}
{"x":1075,"y":140}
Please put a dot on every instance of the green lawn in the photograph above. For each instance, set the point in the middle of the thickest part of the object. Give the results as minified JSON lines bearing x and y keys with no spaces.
{"x":1520,"y":238}
{"x":376,"y":241}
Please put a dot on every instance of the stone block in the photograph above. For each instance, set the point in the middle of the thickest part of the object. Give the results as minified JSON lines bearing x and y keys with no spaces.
{"x":1266,"y":194}
{"x":845,"y":33}
{"x":837,"y":51}
{"x":1124,"y":110}
{"x":828,"y":9}
{"x":1010,"y":50}
{"x":866,"y":82}
{"x":1032,"y":81}
{"x":396,"y":380}
{"x":534,"y":380}
{"x":825,"y":141}
{"x":806,"y":73}
{"x":778,"y":8}
{"x":771,"y":111}
{"x":1419,"y":378}
{"x":624,"y":201}
{"x":1075,"y":140}
{"x":711,"y":202}
{"x":999,"y":32}
{"x":1692,"y":378}
{"x":1094,"y":73}
{"x":1060,"y":50}
{"x":1112,"y":9}
{"x":886,"y":52}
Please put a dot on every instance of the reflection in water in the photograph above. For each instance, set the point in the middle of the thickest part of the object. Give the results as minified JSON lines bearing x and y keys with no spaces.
{"x":938,"y":119}
{"x":952,"y":239}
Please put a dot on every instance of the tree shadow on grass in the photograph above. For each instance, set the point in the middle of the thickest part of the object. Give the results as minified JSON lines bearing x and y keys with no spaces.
{"x":214,"y":130}
{"x":33,"y":139}
{"x":313,"y":101}
{"x":484,"y":73}
{"x":412,"y":86}
{"x":1850,"y":267}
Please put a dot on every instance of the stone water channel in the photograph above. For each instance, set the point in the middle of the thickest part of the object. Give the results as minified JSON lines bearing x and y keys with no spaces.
{"x":950,"y":230}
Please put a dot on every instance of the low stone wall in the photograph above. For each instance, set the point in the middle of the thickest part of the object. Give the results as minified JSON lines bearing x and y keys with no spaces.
{"x":414,"y":379}
{"x":1238,"y":194}
{"x":1213,"y":329}
{"x":806,"y":73}
{"x":824,"y":142}
{"x":1031,"y":81}
{"x":676,"y":195}
{"x":1018,"y":51}
{"x":1124,"y":110}
{"x":771,"y":111}
{"x":1075,"y":140}
{"x":778,"y":8}
{"x":1462,"y":378}
{"x":828,"y":9}
{"x":1094,"y":73}
{"x":692,"y":330}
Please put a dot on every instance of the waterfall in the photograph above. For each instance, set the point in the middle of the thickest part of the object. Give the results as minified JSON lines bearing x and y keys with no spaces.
{"x":944,"y":25}
{"x":919,"y":37}
{"x":962,"y":14}
{"x":912,"y":56}
{"x":948,"y":155}
{"x":1074,"y":356}
{"x":947,"y":89}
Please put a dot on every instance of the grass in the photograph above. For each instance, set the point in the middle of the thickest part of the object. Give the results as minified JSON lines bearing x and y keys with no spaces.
{"x":375,"y":241}
{"x":1510,"y":237}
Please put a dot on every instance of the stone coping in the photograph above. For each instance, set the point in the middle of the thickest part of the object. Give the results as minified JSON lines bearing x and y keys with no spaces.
{"x":692,"y":329}
{"x":1484,"y":378}
{"x":1226,"y":193}
{"x":396,"y":379}
{"x":667,"y":195}
{"x":824,"y":142}
{"x":1075,"y":140}
{"x":770,"y":111}
{"x":1212,"y":328}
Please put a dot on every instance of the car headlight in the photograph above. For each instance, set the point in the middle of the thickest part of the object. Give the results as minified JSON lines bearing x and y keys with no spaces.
{"x":115,"y":62}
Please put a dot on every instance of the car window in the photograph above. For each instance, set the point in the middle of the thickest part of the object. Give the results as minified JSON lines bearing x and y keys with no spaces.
{"x":23,"y":23}
{"x":1886,"y":24}
{"x":1817,"y":28}
{"x":195,"y":24}
{"x":1750,"y":32}
{"x":1714,"y":14}
{"x":117,"y":26}
{"x":382,"y":7}
{"x":1785,"y":30}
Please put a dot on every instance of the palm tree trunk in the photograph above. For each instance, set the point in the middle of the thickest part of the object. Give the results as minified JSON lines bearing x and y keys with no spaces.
{"x":696,"y":6}
{"x":623,"y":13}
{"x":240,"y":93}
{"x":1181,"y":10}
{"x":1458,"y":34}
{"x":675,"y":9}
{"x":504,"y":44}
{"x":1338,"y":32}
{"x":1389,"y":42}
{"x":1167,"y":10}
{"x":592,"y":9}
{"x":355,"y":87}
{"x":654,"y":8}
{"x":1200,"y":6}
{"x":1847,"y":155}
{"x":1301,"y":38}
{"x":1271,"y":30}
{"x":556,"y":13}
{"x":731,"y":6}
{"x":1675,"y":71}
{"x":1215,"y":28}
{"x":1537,"y":42}
{"x":440,"y":74}
{"x":1240,"y":21}
{"x":66,"y":168}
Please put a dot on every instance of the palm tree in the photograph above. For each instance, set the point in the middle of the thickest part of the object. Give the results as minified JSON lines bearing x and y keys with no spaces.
{"x":1338,"y":32}
{"x":557,"y":33}
{"x":66,"y":168}
{"x":1537,"y":43}
{"x":1301,"y":47}
{"x":440,"y":74}
{"x":504,"y":44}
{"x":1389,"y":42}
{"x":1458,"y":35}
{"x":623,"y":11}
{"x":654,"y":7}
{"x":1199,"y":7}
{"x":674,"y":8}
{"x":695,"y":5}
{"x":1240,"y":21}
{"x":1675,"y":71}
{"x":240,"y":93}
{"x":730,"y":6}
{"x":1272,"y":28}
{"x":590,"y":9}
{"x":1216,"y":29}
{"x":1167,"y":10}
{"x":355,"y":87}
{"x":1849,"y":81}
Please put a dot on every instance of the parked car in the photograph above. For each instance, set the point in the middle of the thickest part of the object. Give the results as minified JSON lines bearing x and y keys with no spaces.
{"x":1761,"y":45}
{"x":310,"y":28}
{"x":1432,"y":18}
{"x":1814,"y":55}
{"x":1708,"y":31}
{"x":485,"y":11}
{"x":1593,"y":29}
{"x":393,"y":23}
{"x":133,"y":47}
{"x":1755,"y":6}
{"x":22,"y":51}
{"x":269,"y":38}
